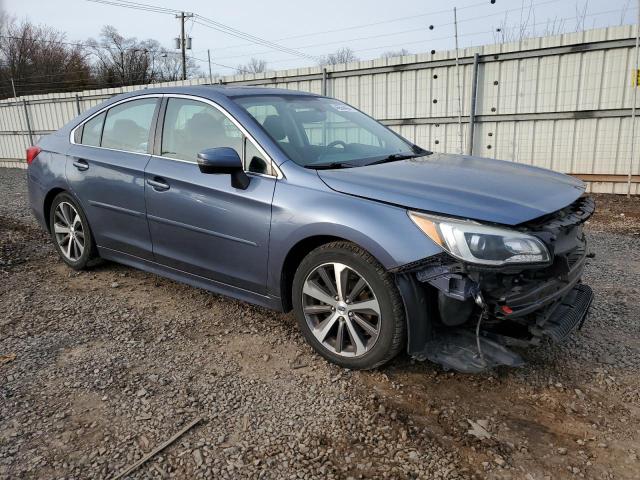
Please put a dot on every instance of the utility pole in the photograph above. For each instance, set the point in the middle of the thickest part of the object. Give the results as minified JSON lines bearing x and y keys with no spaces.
{"x":183,"y":46}
{"x":183,"y":42}
{"x":209,"y":58}
{"x":636,"y":85}
{"x":13,"y":85}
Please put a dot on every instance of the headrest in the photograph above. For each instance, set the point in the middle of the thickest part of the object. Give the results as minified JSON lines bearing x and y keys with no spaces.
{"x":273,"y":125}
{"x":204,"y":124}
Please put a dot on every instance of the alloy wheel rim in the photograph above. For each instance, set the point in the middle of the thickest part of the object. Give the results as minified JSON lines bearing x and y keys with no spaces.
{"x":69,"y":231}
{"x":341,"y":309}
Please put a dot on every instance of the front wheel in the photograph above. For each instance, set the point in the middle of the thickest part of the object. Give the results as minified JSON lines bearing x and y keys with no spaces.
{"x":348,"y":306}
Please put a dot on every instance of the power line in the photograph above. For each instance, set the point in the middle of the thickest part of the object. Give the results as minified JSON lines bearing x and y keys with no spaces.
{"x":364,"y":25}
{"x":221,"y":65}
{"x":94,"y":80}
{"x":206,"y":22}
{"x":500,"y":13}
{"x":472,"y":34}
{"x":76,"y":44}
{"x":227,"y":30}
{"x":170,"y":11}
{"x":488,"y":31}
{"x":36,"y":40}
{"x":137,"y":6}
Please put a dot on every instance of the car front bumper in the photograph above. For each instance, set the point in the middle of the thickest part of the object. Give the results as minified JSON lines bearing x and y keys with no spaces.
{"x":476,"y":314}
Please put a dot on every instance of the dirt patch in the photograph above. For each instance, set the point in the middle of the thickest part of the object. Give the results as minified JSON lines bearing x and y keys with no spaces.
{"x":549,"y":431}
{"x":112,"y":361}
{"x":617,"y":213}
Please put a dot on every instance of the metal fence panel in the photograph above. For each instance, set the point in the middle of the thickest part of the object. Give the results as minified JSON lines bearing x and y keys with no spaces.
{"x":560,"y":102}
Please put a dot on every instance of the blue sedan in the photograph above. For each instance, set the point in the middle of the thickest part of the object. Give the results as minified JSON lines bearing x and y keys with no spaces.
{"x":300,"y":202}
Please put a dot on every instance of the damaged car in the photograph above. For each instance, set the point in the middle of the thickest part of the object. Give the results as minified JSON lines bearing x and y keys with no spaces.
{"x":300,"y":202}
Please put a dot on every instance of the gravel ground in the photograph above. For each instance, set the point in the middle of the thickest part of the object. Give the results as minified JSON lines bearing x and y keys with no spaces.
{"x":97,"y":368}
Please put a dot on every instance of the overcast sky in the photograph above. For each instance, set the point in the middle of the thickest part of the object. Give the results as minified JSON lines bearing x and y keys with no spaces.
{"x":303,"y":25}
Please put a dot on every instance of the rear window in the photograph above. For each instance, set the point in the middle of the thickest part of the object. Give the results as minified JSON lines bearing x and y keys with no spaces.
{"x":127,"y":126}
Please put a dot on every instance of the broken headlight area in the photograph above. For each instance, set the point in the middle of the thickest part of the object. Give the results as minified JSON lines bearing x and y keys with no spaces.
{"x":480,"y":310}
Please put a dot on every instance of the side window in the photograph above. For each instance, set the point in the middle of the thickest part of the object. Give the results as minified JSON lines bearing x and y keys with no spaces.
{"x":92,"y":130}
{"x":254,"y":160}
{"x":191,"y":126}
{"x":127,"y":125}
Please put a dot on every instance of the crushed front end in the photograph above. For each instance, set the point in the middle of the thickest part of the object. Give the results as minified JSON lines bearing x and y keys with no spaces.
{"x":476,"y":313}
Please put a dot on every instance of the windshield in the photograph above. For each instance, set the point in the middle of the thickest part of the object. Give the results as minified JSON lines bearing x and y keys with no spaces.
{"x":316,"y":131}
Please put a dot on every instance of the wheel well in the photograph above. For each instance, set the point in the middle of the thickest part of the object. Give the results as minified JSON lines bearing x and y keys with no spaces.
{"x":48,"y":200}
{"x":293,"y":259}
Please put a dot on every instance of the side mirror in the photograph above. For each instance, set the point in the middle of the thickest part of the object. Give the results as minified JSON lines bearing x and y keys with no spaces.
{"x":224,"y":160}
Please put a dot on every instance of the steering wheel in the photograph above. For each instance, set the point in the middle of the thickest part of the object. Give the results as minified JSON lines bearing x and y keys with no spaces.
{"x":335,"y":143}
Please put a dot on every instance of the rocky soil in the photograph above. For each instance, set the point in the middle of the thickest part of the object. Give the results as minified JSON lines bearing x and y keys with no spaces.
{"x":98,"y":368}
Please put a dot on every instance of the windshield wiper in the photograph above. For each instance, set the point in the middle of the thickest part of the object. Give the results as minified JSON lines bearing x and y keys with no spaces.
{"x":394,"y":157}
{"x":331,"y":166}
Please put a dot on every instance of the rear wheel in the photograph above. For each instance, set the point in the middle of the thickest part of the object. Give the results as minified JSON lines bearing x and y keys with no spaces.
{"x":348,"y":306}
{"x":70,"y":232}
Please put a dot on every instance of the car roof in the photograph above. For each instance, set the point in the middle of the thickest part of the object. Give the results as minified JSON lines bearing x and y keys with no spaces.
{"x":216,"y":91}
{"x":212,"y":92}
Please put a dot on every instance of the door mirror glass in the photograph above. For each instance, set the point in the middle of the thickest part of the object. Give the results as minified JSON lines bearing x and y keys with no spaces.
{"x":224,"y":160}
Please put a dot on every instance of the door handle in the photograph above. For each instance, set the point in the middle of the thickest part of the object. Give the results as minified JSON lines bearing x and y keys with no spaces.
{"x":158,"y":184}
{"x":81,"y":164}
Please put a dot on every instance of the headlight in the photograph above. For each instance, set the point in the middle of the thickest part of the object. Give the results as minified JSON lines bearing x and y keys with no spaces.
{"x":476,"y":243}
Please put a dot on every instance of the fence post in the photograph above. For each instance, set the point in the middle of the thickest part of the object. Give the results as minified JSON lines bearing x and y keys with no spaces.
{"x":472,"y":107}
{"x":26,"y":116}
{"x":635,"y":101}
{"x":78,"y":104}
{"x":325,"y":76}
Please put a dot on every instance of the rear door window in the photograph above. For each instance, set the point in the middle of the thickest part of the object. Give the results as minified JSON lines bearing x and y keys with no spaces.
{"x":92,"y":131}
{"x":127,"y":126}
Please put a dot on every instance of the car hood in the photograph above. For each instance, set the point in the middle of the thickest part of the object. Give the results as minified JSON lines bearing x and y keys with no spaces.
{"x":469,"y":187}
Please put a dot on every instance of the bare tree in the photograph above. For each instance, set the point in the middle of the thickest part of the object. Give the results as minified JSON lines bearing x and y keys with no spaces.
{"x":342,"y":55}
{"x":255,"y":65}
{"x":395,"y":53}
{"x":123,"y":60}
{"x":624,"y":11}
{"x":38,"y":59}
{"x":3,"y":18}
{"x":581,"y":15}
{"x":168,"y":66}
{"x":554,"y":26}
{"x":510,"y":32}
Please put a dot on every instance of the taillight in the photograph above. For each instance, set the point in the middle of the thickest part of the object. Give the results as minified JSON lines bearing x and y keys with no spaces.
{"x":32,"y":153}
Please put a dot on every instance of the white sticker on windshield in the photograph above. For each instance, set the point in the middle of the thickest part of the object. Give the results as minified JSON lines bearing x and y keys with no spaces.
{"x":341,"y":107}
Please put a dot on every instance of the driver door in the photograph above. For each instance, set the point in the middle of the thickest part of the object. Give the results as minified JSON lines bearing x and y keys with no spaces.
{"x":199,"y":223}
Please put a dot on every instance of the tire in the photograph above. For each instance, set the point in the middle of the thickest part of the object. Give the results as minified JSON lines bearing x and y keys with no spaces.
{"x":369,"y":306}
{"x":66,"y":215}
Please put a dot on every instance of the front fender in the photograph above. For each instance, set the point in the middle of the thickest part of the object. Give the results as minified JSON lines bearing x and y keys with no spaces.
{"x":301,"y":211}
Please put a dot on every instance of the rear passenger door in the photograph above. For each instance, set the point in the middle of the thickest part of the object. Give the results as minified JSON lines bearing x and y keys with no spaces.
{"x":105,"y":170}
{"x":199,"y":223}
